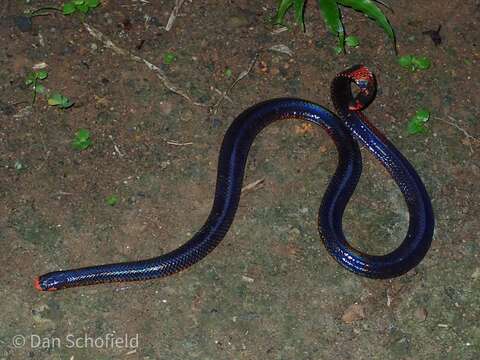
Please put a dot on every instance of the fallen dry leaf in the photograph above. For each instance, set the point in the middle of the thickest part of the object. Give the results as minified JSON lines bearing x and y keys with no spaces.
{"x":353,"y":313}
{"x":421,"y":314}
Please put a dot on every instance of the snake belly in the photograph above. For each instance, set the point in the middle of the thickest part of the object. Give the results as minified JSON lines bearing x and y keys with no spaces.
{"x":231,"y":167}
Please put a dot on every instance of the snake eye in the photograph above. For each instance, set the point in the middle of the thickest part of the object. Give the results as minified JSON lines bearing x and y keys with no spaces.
{"x":362,"y":84}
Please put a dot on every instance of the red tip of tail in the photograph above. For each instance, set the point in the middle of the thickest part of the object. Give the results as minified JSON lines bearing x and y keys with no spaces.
{"x":37,"y":284}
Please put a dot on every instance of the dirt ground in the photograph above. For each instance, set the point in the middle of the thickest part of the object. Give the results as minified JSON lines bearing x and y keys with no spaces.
{"x":270,"y":290}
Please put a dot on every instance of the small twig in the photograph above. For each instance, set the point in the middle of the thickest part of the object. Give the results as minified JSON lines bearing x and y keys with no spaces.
{"x":221,"y":94}
{"x":63,"y":193}
{"x":279,"y":30}
{"x":460,"y":128}
{"x":254,"y":185}
{"x":174,"y":14}
{"x":465,"y":132}
{"x":215,"y":107}
{"x":117,"y":150}
{"x":281,"y":48}
{"x":176,"y":143}
{"x":160,"y":74}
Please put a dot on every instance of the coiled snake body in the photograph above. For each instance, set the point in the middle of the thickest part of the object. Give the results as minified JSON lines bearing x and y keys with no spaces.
{"x":231,"y":167}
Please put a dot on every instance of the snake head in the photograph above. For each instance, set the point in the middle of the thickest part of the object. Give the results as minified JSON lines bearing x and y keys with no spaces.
{"x":342,"y":94}
{"x":50,"y":282}
{"x":367,"y":85}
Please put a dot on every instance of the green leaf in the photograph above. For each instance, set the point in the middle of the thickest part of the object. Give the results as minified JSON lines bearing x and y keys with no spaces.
{"x":29,"y":80}
{"x":169,"y":57}
{"x":83,"y":7}
{"x":282,"y":10}
{"x":42,"y":74}
{"x":338,"y":49}
{"x":82,"y":134}
{"x":405,"y":61}
{"x":39,"y":88}
{"x":422,"y":115}
{"x":82,"y":140}
{"x":369,"y":8}
{"x":423,"y":63}
{"x":416,"y":128}
{"x":352,"y":41}
{"x":331,"y":14}
{"x":66,"y":103}
{"x":68,"y":8}
{"x":413,"y":63}
{"x":31,"y":77}
{"x":92,"y":3}
{"x":111,"y":200}
{"x":228,"y":73}
{"x":79,"y":2}
{"x":57,"y":99}
{"x":299,"y":7}
{"x":416,"y":124}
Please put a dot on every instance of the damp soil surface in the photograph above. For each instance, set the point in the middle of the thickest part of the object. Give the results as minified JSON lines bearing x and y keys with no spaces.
{"x":270,"y":290}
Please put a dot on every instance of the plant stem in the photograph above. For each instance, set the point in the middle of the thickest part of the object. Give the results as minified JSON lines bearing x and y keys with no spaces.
{"x":34,"y":90}
{"x":46,"y":8}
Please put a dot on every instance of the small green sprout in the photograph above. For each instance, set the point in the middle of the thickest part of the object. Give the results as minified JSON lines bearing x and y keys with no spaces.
{"x":82,"y":6}
{"x":68,"y":8}
{"x":422,"y":63}
{"x":57,"y":99}
{"x":82,"y":140}
{"x":416,"y":124}
{"x":228,"y":72}
{"x":19,"y":165}
{"x":169,"y":57}
{"x":35,"y":75}
{"x":54,"y":99}
{"x":352,"y":41}
{"x":32,"y":79}
{"x":111,"y":200}
{"x":414,"y":63}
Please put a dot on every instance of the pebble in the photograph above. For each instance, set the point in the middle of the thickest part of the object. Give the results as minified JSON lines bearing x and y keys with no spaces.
{"x":164,"y":164}
{"x":23,"y":23}
{"x":166,"y":107}
{"x":421,"y":314}
{"x":476,"y":274}
{"x":238,"y":21}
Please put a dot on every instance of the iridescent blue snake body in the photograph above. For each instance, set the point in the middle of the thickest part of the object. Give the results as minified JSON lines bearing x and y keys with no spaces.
{"x":350,"y":124}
